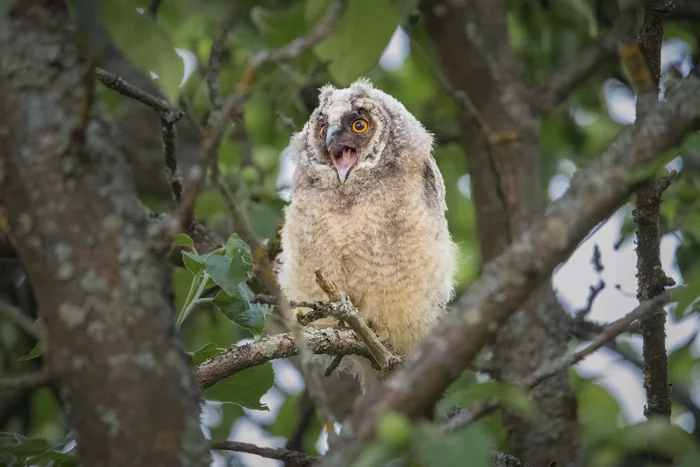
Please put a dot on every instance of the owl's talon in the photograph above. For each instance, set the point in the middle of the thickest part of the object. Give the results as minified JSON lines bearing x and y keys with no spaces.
{"x":333,"y":366}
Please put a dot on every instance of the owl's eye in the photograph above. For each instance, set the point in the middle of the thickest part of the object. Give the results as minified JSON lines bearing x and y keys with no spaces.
{"x":320,"y":131}
{"x":360,"y":125}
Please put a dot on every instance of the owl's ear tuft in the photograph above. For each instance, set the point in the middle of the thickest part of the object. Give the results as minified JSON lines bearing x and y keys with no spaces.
{"x":325,"y":93}
{"x":362,"y":84}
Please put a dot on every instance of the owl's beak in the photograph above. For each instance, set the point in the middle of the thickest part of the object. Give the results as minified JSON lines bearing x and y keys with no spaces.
{"x":343,"y":156}
{"x":332,"y":135}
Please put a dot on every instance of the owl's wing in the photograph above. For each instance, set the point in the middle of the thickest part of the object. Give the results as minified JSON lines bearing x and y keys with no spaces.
{"x":434,"y":185}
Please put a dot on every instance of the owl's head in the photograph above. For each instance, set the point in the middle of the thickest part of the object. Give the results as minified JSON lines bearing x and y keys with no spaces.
{"x":358,"y":133}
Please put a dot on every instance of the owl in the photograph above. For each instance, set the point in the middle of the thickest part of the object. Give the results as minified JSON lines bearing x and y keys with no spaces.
{"x":368,"y":209}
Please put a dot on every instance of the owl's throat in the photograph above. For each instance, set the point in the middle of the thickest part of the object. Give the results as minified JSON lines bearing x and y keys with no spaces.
{"x":344,"y":159}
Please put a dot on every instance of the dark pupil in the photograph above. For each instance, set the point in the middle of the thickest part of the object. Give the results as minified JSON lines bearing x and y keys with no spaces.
{"x":359,"y":126}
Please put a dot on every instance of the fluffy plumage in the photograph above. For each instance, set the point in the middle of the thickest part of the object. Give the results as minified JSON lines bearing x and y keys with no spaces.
{"x":381,"y":234}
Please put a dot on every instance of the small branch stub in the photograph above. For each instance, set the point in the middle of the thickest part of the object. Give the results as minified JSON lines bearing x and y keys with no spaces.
{"x":342,"y":309}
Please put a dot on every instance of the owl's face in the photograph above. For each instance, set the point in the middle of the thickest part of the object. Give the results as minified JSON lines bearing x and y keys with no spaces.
{"x":358,"y":133}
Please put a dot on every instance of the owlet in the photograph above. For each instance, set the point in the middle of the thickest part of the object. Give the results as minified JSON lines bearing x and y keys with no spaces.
{"x":368,"y":209}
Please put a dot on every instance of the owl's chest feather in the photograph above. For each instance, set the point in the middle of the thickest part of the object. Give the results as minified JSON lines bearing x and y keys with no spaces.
{"x":370,"y":247}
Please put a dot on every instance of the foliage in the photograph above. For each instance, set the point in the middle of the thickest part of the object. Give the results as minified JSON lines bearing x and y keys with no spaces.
{"x":215,"y":308}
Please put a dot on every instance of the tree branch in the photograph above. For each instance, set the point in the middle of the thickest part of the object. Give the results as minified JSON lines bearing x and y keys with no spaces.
{"x":342,"y":309}
{"x":26,"y":380}
{"x":154,"y":7}
{"x":685,"y":9}
{"x":563,"y":82}
{"x":116,"y":83}
{"x":651,"y":279}
{"x":509,"y":279}
{"x":215,"y":54}
{"x":292,"y":458}
{"x":22,"y":320}
{"x":549,"y":369}
{"x":329,"y":341}
{"x":168,"y":118}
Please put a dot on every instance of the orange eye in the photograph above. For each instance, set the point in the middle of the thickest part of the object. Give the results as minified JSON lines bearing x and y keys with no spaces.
{"x":320,"y":131}
{"x":360,"y":125}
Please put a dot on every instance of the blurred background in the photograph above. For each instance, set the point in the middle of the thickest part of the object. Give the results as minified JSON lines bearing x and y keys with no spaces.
{"x":386,"y":42}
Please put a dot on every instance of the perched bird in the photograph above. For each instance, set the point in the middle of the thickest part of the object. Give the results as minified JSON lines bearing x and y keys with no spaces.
{"x":368,"y":209}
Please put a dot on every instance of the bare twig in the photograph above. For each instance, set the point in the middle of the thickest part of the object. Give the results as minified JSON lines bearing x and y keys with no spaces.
{"x":318,"y":310}
{"x":116,"y":83}
{"x":549,"y":369}
{"x":295,"y":458}
{"x":563,"y":82}
{"x":26,"y":380}
{"x":333,"y":366}
{"x":154,"y":7}
{"x":78,"y":134}
{"x":327,"y":341}
{"x":22,"y":320}
{"x":343,"y":309}
{"x":685,"y":9}
{"x":592,"y":295}
{"x":215,"y":55}
{"x":306,"y":416}
{"x":168,"y":118}
{"x":233,"y":106}
{"x":462,"y":99}
{"x":172,"y":172}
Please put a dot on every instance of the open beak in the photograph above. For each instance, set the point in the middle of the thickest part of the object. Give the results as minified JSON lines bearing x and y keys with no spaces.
{"x":343,"y":156}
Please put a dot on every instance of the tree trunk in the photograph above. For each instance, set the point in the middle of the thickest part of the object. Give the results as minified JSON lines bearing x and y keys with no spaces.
{"x":500,"y":138}
{"x":83,"y":237}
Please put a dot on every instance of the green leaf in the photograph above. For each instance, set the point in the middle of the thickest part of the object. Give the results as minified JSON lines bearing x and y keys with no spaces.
{"x":279,"y":26}
{"x":144,"y":44}
{"x":238,"y":309}
{"x":235,"y":247}
{"x":350,"y":53}
{"x":18,"y":445}
{"x":686,"y":297}
{"x":182,"y":239}
{"x":245,"y":388}
{"x":37,"y":351}
{"x":647,"y":170}
{"x":583,"y":8}
{"x":507,"y":395}
{"x":315,"y":10}
{"x":224,"y":273}
{"x":660,"y":436}
{"x":229,"y":414}
{"x":59,"y":459}
{"x":204,"y":353}
{"x":4,"y":7}
{"x":437,"y":449}
{"x":34,"y":451}
{"x":688,"y":460}
{"x":194,"y":263}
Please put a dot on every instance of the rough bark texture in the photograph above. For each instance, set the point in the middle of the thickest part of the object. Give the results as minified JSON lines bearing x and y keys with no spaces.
{"x":651,"y":280}
{"x":510,"y":278}
{"x":82,"y":236}
{"x":471,"y":40}
{"x":329,"y":341}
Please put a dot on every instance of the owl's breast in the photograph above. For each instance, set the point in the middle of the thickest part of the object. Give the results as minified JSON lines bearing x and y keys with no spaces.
{"x":392,"y":256}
